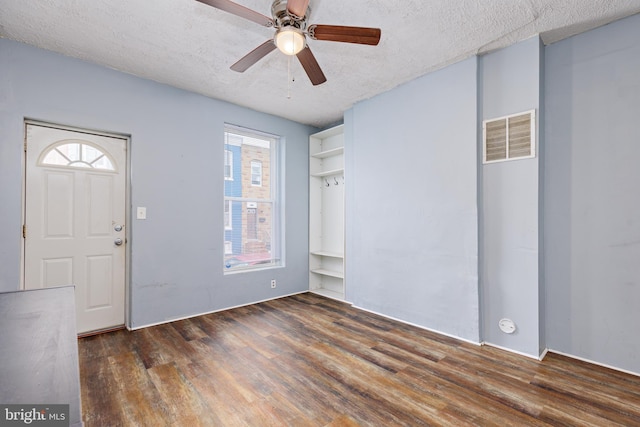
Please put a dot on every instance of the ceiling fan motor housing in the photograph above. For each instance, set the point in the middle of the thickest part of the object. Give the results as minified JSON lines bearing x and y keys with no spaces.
{"x":284,"y":19}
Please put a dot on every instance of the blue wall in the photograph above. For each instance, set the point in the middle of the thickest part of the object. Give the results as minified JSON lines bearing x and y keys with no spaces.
{"x":177,"y":148}
{"x":592,"y":197}
{"x":565,"y":265}
{"x":412,"y":250}
{"x":509,"y":221}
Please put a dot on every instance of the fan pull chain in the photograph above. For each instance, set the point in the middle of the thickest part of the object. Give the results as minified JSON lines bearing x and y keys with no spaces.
{"x":289,"y":77}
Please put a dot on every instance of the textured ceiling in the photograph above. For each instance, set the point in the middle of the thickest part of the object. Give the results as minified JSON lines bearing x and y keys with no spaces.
{"x":189,"y":45}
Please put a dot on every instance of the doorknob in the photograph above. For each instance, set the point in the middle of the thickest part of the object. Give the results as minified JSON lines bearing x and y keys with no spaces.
{"x":118,"y":241}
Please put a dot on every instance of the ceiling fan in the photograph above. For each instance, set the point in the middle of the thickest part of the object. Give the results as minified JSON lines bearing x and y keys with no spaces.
{"x":290,"y":22}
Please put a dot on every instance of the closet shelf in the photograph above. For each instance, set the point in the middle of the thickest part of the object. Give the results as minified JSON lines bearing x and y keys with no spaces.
{"x":330,"y":273}
{"x":328,"y":153}
{"x":328,"y":173}
{"x":327,"y":254}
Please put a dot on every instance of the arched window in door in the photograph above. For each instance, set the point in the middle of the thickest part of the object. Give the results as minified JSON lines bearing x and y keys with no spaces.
{"x":76,"y":154}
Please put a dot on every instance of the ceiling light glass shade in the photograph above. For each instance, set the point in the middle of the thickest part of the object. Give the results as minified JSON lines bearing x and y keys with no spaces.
{"x":290,"y":41}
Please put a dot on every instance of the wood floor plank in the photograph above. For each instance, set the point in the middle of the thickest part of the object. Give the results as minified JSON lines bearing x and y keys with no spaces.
{"x":343,"y":421}
{"x":184,"y":406}
{"x":92,"y":347}
{"x":160,"y":345}
{"x":362,"y":346}
{"x":500,"y":389}
{"x":245,"y":331}
{"x":307,"y":360}
{"x":99,"y":405}
{"x":608,"y":405}
{"x":253,"y":318}
{"x":327,"y":388}
{"x":473,"y":407}
{"x":313,"y":393}
{"x":220,"y":329}
{"x":623,"y":383}
{"x":502,"y":374}
{"x":229,"y":400}
{"x":188,"y":329}
{"x":140,"y":402}
{"x":376,"y":384}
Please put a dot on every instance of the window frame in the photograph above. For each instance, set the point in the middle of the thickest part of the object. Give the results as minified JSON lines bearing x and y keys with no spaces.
{"x":82,"y":159}
{"x":275,"y":231}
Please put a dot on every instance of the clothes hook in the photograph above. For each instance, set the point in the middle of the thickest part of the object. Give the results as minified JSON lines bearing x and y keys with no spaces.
{"x":335,"y":181}
{"x":326,"y":182}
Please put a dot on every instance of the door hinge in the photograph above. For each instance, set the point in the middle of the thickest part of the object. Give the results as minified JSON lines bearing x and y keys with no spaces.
{"x":24,"y":231}
{"x":25,"y":146}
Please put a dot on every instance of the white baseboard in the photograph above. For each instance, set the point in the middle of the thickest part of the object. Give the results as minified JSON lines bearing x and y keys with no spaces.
{"x":418,"y":326}
{"x":544,"y":353}
{"x":211,"y":312}
{"x":520,"y":353}
{"x":582,"y":359}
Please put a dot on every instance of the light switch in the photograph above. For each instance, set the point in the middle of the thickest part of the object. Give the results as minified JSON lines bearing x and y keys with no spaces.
{"x":141,"y":213}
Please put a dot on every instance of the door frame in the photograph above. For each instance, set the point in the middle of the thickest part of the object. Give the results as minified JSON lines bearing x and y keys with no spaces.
{"x":127,"y":202}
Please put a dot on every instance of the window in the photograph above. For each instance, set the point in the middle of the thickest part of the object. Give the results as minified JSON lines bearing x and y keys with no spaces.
{"x":256,"y":173}
{"x":228,"y":164}
{"x":76,"y":154}
{"x":252,"y":208}
{"x":228,"y":225}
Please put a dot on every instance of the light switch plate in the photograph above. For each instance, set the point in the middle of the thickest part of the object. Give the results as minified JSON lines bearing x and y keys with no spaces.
{"x":141,"y":213}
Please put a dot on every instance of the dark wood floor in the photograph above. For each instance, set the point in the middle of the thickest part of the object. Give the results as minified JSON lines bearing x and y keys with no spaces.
{"x":310,"y":361}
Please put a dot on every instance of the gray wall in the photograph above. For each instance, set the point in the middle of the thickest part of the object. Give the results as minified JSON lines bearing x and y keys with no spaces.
{"x":510,"y":83}
{"x":592,"y":197}
{"x":411,"y":202}
{"x":176,"y":155}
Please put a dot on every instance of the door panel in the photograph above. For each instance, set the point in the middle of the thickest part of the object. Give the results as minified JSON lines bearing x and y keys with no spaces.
{"x":99,"y":274}
{"x":100,"y":198}
{"x":58,"y":204}
{"x":56,"y":271}
{"x":75,"y":196}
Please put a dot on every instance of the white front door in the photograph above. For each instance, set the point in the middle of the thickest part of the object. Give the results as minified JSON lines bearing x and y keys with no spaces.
{"x":75,"y":196}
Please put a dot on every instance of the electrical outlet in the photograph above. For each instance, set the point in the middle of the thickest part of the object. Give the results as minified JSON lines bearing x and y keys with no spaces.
{"x":273,"y":283}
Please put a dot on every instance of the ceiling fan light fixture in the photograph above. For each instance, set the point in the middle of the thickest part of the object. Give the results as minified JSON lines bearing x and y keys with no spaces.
{"x":290,"y":40}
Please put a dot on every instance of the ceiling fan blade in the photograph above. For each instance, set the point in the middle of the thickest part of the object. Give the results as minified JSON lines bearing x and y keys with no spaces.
{"x":339,"y":33}
{"x":254,"y":56}
{"x":241,"y":11}
{"x":297,"y":7}
{"x":311,"y":66}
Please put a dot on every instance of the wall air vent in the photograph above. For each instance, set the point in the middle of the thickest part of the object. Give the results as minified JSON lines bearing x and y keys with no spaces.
{"x":509,"y":138}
